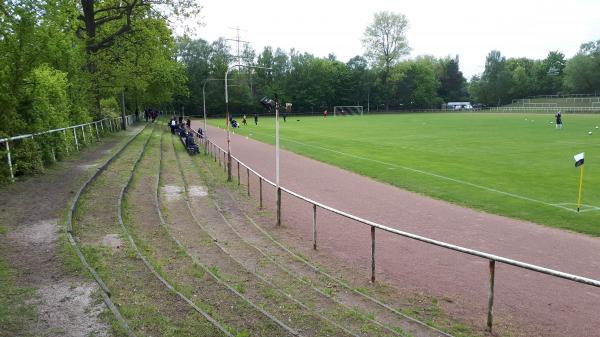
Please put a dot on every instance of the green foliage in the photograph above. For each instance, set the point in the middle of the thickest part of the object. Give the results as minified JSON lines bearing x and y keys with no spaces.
{"x":582,"y":72}
{"x":46,"y":103}
{"x":54,"y":73}
{"x":384,"y":40}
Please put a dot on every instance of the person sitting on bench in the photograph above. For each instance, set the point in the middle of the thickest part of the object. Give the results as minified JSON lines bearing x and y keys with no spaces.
{"x":190,"y":144}
{"x":182,"y":132}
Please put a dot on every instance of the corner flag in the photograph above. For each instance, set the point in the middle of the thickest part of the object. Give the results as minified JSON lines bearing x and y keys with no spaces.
{"x":579,"y":162}
{"x":578,"y":159}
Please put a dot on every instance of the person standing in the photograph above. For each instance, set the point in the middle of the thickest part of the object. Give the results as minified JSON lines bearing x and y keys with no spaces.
{"x":173,"y":124}
{"x":558,"y":120}
{"x":244,"y":119}
{"x":256,"y":118}
{"x":325,"y":113}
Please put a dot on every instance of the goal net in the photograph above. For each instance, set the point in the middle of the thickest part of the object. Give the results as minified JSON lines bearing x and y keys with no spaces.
{"x":347,"y":110}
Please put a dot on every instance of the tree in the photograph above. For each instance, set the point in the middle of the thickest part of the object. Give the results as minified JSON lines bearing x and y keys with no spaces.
{"x":384,"y":40}
{"x":582,"y":72}
{"x":385,"y":43}
{"x":103,"y":22}
{"x":452,"y":82}
{"x":417,"y":84}
{"x":496,"y":81}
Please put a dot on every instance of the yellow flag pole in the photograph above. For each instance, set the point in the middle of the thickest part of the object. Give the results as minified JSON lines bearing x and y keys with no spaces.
{"x":580,"y":187}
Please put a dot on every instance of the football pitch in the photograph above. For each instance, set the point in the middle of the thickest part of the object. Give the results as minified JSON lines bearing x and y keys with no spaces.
{"x":512,"y":164}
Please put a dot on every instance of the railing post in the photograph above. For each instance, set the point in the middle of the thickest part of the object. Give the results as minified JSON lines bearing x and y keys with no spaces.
{"x":53,"y":154}
{"x":75,"y":136}
{"x":102,"y":126}
{"x":10,"y":168}
{"x":97,"y":134}
{"x":83,"y":134}
{"x":66,"y":141}
{"x":224,"y":161}
{"x":278,"y":206}
{"x":490,"y":316}
{"x":260,"y":192}
{"x":314,"y":226}
{"x":248,"y":179}
{"x":373,"y":254}
{"x":239,"y":181}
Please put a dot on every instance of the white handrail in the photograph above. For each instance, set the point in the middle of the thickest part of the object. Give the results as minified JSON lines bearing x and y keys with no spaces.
{"x":2,"y":140}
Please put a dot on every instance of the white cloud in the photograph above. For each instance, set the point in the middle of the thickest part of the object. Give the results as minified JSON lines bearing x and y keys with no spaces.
{"x":467,"y":28}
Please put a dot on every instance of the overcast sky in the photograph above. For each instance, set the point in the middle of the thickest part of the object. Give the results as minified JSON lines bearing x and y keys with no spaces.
{"x":470,"y":29}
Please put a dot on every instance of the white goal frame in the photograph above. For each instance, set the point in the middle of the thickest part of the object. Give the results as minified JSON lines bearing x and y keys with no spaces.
{"x":338,"y":108}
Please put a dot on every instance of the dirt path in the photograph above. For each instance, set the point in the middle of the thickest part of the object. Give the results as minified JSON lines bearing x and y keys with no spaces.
{"x":526,"y":303}
{"x":30,"y":211}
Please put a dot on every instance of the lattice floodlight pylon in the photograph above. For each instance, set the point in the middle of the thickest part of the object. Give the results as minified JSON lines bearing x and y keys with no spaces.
{"x":348,"y":110}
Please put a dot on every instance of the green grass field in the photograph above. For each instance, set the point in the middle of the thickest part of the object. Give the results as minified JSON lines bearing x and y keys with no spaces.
{"x":511,"y":164}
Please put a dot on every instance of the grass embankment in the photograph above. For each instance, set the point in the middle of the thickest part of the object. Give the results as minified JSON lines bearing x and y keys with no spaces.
{"x":147,"y":306}
{"x":15,"y":310}
{"x":513,"y":164}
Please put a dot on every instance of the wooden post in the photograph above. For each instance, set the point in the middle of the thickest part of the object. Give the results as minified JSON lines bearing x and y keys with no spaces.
{"x":83,"y":134}
{"x":490,"y":316}
{"x":373,"y":254}
{"x":97,"y":134}
{"x":239,"y":181}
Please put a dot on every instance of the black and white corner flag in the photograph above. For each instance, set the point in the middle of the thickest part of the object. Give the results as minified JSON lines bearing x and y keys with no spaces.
{"x":579,"y":159}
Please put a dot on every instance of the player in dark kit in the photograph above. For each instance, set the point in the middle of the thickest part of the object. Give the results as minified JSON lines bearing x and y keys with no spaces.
{"x":558,"y":120}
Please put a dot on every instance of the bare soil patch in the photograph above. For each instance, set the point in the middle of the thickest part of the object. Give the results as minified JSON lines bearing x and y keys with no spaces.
{"x":113,"y":241}
{"x":172,"y":192}
{"x":60,"y":307}
{"x":198,"y":191}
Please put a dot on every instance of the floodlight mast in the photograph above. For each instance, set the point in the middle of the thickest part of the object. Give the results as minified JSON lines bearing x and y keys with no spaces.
{"x":204,"y":110}
{"x":229,"y":68}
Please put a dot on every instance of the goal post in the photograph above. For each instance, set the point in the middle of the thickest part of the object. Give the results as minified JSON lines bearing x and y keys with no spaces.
{"x":348,"y":110}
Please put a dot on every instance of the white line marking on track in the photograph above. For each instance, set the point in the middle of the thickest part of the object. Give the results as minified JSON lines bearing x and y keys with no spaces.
{"x":458,"y":181}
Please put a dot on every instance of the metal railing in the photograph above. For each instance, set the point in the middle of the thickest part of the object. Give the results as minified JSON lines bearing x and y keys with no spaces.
{"x":219,"y":155}
{"x":111,"y":124}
